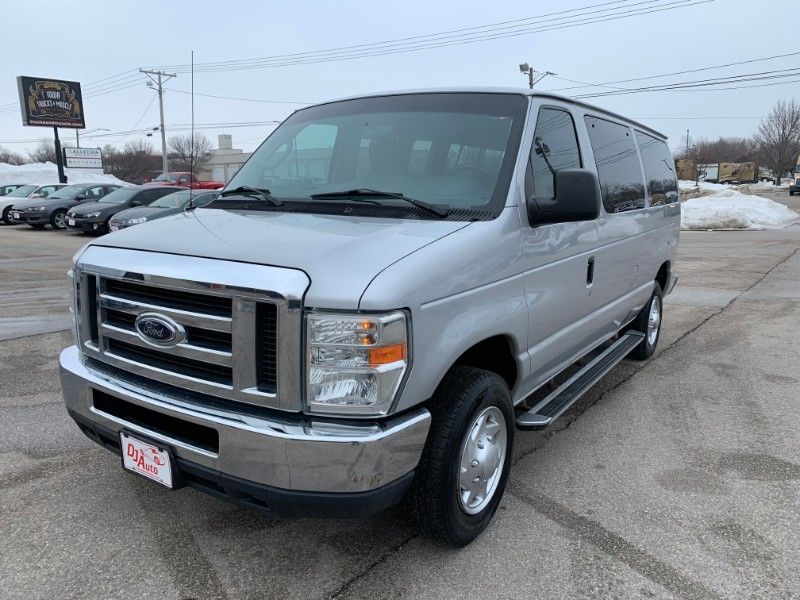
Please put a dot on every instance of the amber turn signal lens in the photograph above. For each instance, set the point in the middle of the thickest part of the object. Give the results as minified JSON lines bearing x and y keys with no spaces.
{"x":387,"y":354}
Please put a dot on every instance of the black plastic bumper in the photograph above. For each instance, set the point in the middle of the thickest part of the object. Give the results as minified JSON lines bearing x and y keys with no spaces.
{"x":275,"y":501}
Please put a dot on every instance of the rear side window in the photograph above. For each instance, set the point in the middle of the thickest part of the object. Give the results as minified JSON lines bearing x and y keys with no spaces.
{"x":618,"y":167}
{"x":555,"y":146}
{"x":659,"y":170}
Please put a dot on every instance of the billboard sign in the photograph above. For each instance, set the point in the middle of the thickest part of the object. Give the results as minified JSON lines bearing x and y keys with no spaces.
{"x":83,"y":158}
{"x":50,"y":102}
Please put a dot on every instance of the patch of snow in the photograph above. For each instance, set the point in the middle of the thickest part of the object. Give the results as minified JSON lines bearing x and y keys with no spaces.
{"x":730,"y":209}
{"x":685,"y":185}
{"x":44,"y":173}
{"x":767,"y":186}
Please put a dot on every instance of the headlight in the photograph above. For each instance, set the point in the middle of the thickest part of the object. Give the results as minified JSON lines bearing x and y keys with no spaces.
{"x":355,"y":362}
{"x":38,"y":209}
{"x":137,"y":220}
{"x":93,"y":215}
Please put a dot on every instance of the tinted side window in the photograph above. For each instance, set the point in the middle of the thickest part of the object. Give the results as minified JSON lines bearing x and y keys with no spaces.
{"x":554,"y":142}
{"x":659,"y":170}
{"x":618,"y":165}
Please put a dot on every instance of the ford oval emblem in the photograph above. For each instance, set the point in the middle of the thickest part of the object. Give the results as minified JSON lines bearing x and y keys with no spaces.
{"x":159,"y":330}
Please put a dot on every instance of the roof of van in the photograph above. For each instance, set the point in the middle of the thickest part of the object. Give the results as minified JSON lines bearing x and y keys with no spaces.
{"x":502,"y":90}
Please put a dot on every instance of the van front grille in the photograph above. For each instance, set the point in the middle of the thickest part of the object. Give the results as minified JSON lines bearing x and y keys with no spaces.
{"x":220,"y":326}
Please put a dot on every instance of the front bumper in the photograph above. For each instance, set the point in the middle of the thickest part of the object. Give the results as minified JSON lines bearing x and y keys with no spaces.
{"x":297,"y":464}
{"x":31,"y":218}
{"x":85,"y":225}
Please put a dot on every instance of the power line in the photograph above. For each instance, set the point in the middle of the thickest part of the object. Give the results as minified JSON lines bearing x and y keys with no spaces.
{"x":684,"y":72}
{"x":688,"y":85}
{"x":443,"y":39}
{"x":301,"y":102}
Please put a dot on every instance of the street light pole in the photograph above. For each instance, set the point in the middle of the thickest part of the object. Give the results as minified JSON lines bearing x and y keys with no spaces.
{"x":534,"y":77}
{"x":160,"y":78}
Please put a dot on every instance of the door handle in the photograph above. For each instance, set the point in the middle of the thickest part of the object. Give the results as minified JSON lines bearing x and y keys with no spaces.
{"x":590,"y":271}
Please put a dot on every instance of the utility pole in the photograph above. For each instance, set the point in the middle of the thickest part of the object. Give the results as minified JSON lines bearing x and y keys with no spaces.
{"x":534,"y":77}
{"x":687,"y":143}
{"x":158,"y":78}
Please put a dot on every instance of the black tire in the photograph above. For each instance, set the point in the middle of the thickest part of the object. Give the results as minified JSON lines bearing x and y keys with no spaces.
{"x":463,"y":395}
{"x":646,"y":348}
{"x":7,"y":215}
{"x":57,"y":219}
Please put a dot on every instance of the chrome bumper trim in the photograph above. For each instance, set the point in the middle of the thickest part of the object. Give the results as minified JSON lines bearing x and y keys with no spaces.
{"x":316,"y":455}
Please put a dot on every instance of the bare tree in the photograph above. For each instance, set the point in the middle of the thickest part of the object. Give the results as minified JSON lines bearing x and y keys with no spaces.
{"x":778,"y":138}
{"x":10,"y":158}
{"x":45,"y":151}
{"x":186,"y":154}
{"x":135,"y":162}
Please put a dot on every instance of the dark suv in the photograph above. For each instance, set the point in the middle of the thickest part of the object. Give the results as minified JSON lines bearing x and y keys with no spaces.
{"x":38,"y":212}
{"x":94,"y":217}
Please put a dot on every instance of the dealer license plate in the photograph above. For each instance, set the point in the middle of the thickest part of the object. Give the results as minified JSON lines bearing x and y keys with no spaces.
{"x":146,"y":459}
{"x":71,"y":222}
{"x":16,"y":215}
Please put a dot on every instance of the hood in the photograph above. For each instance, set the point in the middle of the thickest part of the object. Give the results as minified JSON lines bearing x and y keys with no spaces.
{"x":143,"y":211}
{"x":340,"y":254}
{"x":31,"y":202}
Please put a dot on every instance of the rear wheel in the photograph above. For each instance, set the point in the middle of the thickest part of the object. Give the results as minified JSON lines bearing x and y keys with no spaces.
{"x":463,"y":471}
{"x":7,"y":215}
{"x":648,"y":322}
{"x":58,"y":220}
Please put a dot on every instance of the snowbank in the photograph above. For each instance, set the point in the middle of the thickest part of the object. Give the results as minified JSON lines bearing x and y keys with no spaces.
{"x":684,"y":185}
{"x":730,"y":209}
{"x":44,"y":173}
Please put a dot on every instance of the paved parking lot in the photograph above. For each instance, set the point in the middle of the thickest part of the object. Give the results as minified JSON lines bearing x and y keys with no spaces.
{"x":676,"y":478}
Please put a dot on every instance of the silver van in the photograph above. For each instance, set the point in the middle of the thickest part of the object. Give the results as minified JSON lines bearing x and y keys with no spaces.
{"x":361,"y":315}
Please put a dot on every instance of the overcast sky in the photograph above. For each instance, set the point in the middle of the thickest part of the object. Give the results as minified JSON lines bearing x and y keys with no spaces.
{"x":87,"y":41}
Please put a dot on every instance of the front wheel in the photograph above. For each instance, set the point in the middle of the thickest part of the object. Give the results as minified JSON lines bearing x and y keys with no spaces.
{"x":7,"y":215}
{"x":464,"y":467}
{"x":648,"y":322}
{"x":58,"y":220}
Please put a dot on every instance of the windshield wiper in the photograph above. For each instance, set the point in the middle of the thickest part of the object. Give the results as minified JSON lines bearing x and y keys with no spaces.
{"x":368,"y":193}
{"x":260,"y":193}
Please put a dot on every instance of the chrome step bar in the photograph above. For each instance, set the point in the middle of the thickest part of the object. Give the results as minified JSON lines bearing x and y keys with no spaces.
{"x":559,"y":400}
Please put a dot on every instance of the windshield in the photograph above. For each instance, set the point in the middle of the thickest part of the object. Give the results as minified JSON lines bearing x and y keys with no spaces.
{"x":175,"y":200}
{"x":69,"y":191}
{"x":119,"y":196}
{"x":170,"y":177}
{"x":453,"y":150}
{"x":21,"y":192}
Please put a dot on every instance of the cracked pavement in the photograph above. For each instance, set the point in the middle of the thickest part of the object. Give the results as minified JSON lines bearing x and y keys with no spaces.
{"x":674,"y":478}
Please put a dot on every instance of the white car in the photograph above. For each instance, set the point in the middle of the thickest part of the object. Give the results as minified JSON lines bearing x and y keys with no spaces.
{"x":25,"y":191}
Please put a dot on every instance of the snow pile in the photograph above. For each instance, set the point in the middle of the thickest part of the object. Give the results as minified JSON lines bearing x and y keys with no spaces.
{"x":731,"y":209}
{"x":706,"y":186}
{"x":767,"y":186}
{"x":44,"y":173}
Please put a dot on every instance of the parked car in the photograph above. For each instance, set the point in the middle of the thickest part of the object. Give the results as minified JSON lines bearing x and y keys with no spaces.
{"x":17,"y":194}
{"x":9,"y":187}
{"x":361,"y":315}
{"x":95,"y":217}
{"x":794,"y":184}
{"x":38,"y":212}
{"x":165,"y":206}
{"x":185,"y":179}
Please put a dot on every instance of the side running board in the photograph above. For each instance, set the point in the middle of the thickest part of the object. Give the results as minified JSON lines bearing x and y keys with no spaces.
{"x":550,"y":408}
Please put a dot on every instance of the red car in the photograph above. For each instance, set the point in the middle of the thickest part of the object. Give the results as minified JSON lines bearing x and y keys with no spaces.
{"x":185,"y":179}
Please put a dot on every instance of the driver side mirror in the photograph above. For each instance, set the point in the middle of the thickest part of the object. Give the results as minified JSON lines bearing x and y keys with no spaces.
{"x":81,"y":197}
{"x":576,"y":197}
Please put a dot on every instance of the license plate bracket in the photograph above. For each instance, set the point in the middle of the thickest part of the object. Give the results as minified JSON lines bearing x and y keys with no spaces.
{"x":147,"y":459}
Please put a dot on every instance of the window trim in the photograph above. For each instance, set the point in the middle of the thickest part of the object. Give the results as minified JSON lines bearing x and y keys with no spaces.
{"x":638,"y":155}
{"x":528,"y":178}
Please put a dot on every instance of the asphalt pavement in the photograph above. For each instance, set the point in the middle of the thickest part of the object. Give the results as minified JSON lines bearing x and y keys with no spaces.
{"x":674,"y":478}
